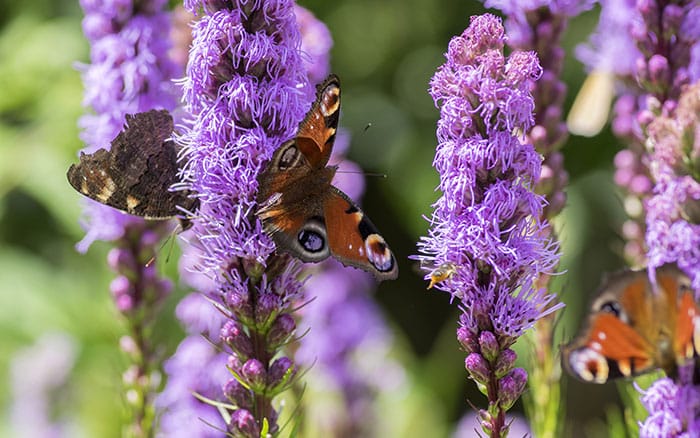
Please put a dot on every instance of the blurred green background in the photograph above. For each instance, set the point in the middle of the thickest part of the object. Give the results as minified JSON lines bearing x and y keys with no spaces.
{"x":385,"y":52}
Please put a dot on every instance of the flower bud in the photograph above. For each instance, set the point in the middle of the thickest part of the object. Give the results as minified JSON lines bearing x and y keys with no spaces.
{"x":659,"y":70}
{"x":255,"y":375}
{"x":505,"y":362}
{"x":240,"y":305}
{"x":269,"y":306}
{"x":281,"y":372}
{"x":238,"y":394}
{"x":123,"y":294}
{"x":489,"y":346}
{"x":281,"y":330}
{"x":467,"y":339}
{"x":243,"y":424}
{"x":234,"y":336}
{"x":477,"y":367}
{"x":510,"y":387}
{"x":120,"y":260}
{"x":671,"y":20}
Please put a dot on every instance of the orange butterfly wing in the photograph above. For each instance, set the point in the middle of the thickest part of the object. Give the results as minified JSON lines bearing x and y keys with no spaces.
{"x":317,"y":131}
{"x":353,"y":238}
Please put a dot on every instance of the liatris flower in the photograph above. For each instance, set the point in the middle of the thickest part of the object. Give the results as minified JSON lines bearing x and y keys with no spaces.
{"x":673,"y":410}
{"x":673,"y":235}
{"x":652,"y":49}
{"x":130,"y":72}
{"x":199,"y":317}
{"x":539,"y":26}
{"x":245,"y":89}
{"x":487,"y":224}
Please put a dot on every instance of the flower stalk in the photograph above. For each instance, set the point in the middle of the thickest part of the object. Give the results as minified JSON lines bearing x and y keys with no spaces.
{"x":246,"y":90}
{"x":488,"y":224}
{"x":130,"y":72}
{"x":540,"y":27}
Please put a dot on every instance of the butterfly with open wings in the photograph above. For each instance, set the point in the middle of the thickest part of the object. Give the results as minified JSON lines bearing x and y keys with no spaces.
{"x":303,"y":212}
{"x":634,"y":328}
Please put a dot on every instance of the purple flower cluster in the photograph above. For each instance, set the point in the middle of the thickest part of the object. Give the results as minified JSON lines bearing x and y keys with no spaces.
{"x":673,"y":410}
{"x":673,"y":235}
{"x":487,"y":225}
{"x":539,"y":26}
{"x":246,"y":90}
{"x":652,"y":49}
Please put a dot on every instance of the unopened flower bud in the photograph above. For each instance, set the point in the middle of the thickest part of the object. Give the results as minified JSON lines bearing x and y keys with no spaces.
{"x":478,"y":367}
{"x":255,"y":375}
{"x":238,"y":394}
{"x":281,"y":330}
{"x":510,"y":387}
{"x":281,"y":372}
{"x":505,"y":362}
{"x":233,"y":334}
{"x":268,"y":308}
{"x":489,"y":346}
{"x":243,"y":424}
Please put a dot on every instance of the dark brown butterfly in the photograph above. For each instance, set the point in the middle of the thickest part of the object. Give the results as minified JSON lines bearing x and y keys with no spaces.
{"x":136,"y":174}
{"x":307,"y":216}
{"x":633,"y":329}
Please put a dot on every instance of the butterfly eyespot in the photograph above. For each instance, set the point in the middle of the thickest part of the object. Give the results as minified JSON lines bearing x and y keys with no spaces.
{"x":311,"y":241}
{"x":289,"y":156}
{"x":589,"y":365}
{"x":611,"y":307}
{"x":378,"y":253}
{"x":330,"y":101}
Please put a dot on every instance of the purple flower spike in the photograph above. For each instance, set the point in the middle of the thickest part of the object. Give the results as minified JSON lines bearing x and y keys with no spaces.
{"x":246,"y":91}
{"x":488,"y":224}
{"x":130,"y":71}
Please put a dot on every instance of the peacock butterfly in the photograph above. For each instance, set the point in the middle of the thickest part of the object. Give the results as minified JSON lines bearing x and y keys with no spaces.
{"x":304,"y":214}
{"x":136,"y":174}
{"x":634,"y":328}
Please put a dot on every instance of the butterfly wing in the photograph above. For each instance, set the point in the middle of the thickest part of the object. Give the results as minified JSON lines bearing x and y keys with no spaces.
{"x":354,"y":240}
{"x":635,"y":328}
{"x":317,"y":131}
{"x":618,"y":340}
{"x":136,"y":174}
{"x":609,"y":348}
{"x":686,"y":337}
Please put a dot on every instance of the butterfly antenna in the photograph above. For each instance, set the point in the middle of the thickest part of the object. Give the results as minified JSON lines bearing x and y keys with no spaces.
{"x":375,"y":174}
{"x":369,"y":125}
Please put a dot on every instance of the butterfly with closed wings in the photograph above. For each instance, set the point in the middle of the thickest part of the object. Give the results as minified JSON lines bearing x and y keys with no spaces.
{"x":634,"y":328}
{"x":303,"y":212}
{"x":136,"y":174}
